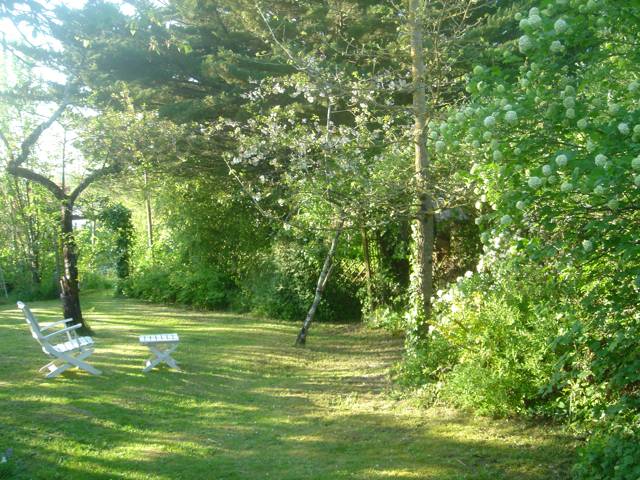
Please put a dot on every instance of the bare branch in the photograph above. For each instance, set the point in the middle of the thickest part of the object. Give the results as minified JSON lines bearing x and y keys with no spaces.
{"x":92,"y":177}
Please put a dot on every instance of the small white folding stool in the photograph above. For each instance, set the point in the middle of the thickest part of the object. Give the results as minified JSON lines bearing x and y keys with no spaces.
{"x":162,"y":346}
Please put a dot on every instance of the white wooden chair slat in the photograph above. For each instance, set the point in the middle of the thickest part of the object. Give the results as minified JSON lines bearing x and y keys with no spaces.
{"x":66,"y":355}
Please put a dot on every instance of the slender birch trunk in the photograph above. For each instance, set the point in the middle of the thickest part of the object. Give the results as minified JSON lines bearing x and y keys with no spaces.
{"x":147,"y":202}
{"x":367,"y":263}
{"x":424,"y":228}
{"x":322,"y":283}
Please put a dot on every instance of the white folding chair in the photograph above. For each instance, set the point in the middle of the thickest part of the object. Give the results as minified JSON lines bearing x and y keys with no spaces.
{"x":66,"y":354}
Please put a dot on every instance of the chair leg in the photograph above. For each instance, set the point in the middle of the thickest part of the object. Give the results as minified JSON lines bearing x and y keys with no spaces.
{"x":72,"y":361}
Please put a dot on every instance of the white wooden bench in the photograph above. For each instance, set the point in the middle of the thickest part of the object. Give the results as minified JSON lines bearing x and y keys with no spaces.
{"x":67,"y":352}
{"x":162,"y":346}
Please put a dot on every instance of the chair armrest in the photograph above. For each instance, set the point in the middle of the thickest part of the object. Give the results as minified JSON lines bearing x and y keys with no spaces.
{"x":63,"y":330}
{"x":46,"y":326}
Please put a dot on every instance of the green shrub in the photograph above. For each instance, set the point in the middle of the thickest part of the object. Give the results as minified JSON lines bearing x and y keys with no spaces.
{"x":612,"y":455}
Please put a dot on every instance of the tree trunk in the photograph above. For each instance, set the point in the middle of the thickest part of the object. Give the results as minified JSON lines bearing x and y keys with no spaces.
{"x":4,"y":284}
{"x":147,"y":202}
{"x":322,"y":283}
{"x":368,"y":269}
{"x":424,"y":229}
{"x":70,"y":291}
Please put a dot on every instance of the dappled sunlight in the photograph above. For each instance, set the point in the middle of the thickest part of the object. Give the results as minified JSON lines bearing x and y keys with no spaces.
{"x":248,"y":404}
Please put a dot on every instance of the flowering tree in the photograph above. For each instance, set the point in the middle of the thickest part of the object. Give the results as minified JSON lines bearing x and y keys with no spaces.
{"x":553,"y":127}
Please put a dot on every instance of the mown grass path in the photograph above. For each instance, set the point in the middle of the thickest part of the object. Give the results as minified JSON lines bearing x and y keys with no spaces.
{"x":248,"y":405}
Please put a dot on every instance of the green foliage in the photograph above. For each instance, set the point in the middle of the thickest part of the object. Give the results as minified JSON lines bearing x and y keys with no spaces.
{"x":205,"y":288}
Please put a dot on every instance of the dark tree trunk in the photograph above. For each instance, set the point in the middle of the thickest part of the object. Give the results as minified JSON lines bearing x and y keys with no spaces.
{"x":69,"y":288}
{"x":322,"y":283}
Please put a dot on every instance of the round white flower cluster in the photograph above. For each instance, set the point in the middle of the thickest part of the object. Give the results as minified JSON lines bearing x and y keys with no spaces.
{"x":635,"y":163}
{"x":556,"y":46}
{"x":520,"y":205}
{"x":601,"y":160}
{"x":624,"y":129}
{"x":440,"y":146}
{"x":582,"y":123}
{"x":489,"y":121}
{"x":534,"y":182}
{"x":511,"y":116}
{"x":587,"y":245}
{"x":613,"y":204}
{"x":566,"y":187}
{"x":599,"y":190}
{"x":525,"y":43}
{"x":561,"y":160}
{"x":497,"y":155}
{"x":560,"y":26}
{"x":633,"y":86}
{"x":547,"y":170}
{"x":636,"y":180}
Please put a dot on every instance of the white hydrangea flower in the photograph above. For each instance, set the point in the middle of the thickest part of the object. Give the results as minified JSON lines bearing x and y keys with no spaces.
{"x":511,"y":116}
{"x":500,"y":88}
{"x":614,"y":108}
{"x":601,"y":160}
{"x":624,"y":129}
{"x":560,"y":26}
{"x":489,"y":121}
{"x":547,"y":170}
{"x":478,"y":70}
{"x":582,"y":123}
{"x":636,"y":129}
{"x":520,"y":205}
{"x":552,"y":179}
{"x":566,"y":187}
{"x":534,"y":11}
{"x":587,"y":245}
{"x":497,"y":155}
{"x":525,"y":43}
{"x":478,"y":220}
{"x":561,"y":160}
{"x":468,"y":274}
{"x":535,"y":21}
{"x":613,"y":204}
{"x":635,"y":163}
{"x":636,"y":180}
{"x":599,"y":190}
{"x":478,"y":205}
{"x":518,"y":16}
{"x":591,"y":145}
{"x":534,"y":182}
{"x":506,"y":220}
{"x":487,"y":136}
{"x":556,"y":46}
{"x":517,"y":150}
{"x":440,"y":146}
{"x":524,"y":23}
{"x":633,"y":86}
{"x":570,"y":113}
{"x":569,"y":102}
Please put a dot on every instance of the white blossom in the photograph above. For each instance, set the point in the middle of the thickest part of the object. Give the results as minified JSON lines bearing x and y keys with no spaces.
{"x":489,"y":121}
{"x":524,"y":23}
{"x":570,"y":113}
{"x":613,"y":204}
{"x":552,"y":179}
{"x":569,"y":102}
{"x":623,"y":128}
{"x":440,"y":146}
{"x":556,"y":46}
{"x":520,"y":205}
{"x":587,"y":245}
{"x":534,"y":182}
{"x":535,"y":21}
{"x":601,"y":160}
{"x":636,"y":180}
{"x":478,"y":70}
{"x":511,"y":116}
{"x":560,"y":26}
{"x":561,"y":160}
{"x":614,"y":108}
{"x":506,"y":220}
{"x":525,"y":43}
{"x":635,"y":163}
{"x":633,"y":86}
{"x":547,"y":170}
{"x":566,"y":187}
{"x":582,"y":123}
{"x":599,"y":190}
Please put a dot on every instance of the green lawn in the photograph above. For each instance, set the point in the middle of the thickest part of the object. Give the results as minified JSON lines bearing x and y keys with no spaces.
{"x":248,"y":405}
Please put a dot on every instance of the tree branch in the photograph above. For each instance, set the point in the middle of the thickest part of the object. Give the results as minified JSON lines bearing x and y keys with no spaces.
{"x":25,"y":173}
{"x":89,"y":179}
